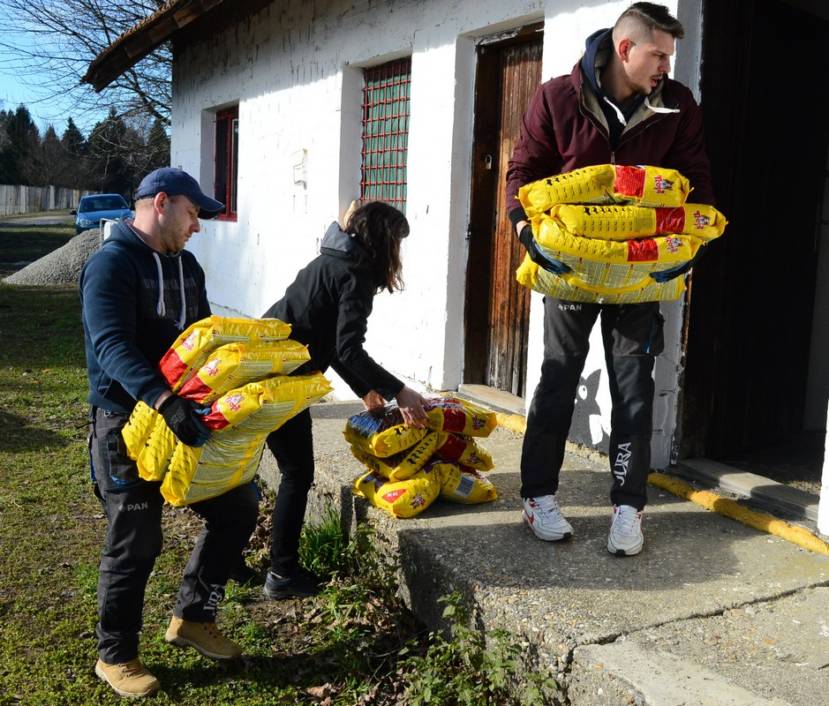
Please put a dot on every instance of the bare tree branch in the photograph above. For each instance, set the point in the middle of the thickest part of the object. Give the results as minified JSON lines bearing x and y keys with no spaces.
{"x":51,"y":44}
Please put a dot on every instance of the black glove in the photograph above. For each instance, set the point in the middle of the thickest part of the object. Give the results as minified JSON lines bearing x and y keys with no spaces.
{"x":184,"y":421}
{"x":555,"y":266}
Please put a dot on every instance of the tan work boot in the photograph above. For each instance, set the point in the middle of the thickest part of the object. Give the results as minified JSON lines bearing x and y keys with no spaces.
{"x":130,"y":679}
{"x":204,"y":637}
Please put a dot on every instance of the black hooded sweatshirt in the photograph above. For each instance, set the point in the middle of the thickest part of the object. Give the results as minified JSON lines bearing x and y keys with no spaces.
{"x":328,"y":305}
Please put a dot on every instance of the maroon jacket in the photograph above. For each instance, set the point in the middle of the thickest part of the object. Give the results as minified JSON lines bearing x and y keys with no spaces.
{"x":563,"y":130}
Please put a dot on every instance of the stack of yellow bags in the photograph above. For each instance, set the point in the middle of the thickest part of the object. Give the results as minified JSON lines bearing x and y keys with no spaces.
{"x":409,"y":467}
{"x":617,"y":230}
{"x":238,"y":370}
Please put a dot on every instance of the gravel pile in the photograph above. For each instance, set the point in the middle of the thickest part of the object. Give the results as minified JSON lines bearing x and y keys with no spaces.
{"x":61,"y":266}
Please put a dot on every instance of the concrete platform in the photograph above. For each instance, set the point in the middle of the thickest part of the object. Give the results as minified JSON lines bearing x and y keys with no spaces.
{"x":575,"y":603}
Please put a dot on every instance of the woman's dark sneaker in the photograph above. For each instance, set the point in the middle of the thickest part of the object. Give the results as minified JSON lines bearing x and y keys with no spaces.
{"x":298,"y":584}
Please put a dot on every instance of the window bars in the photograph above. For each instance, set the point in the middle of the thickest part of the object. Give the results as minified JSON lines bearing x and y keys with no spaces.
{"x":386,"y":92}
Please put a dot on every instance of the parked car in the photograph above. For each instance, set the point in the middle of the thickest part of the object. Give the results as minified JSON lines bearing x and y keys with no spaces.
{"x":94,"y":207}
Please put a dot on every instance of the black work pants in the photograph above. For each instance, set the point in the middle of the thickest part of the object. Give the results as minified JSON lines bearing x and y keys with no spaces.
{"x":632,"y":336}
{"x":293,"y":448}
{"x":133,"y":541}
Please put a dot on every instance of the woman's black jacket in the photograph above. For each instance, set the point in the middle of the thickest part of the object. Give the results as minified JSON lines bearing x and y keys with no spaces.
{"x":328,"y":306}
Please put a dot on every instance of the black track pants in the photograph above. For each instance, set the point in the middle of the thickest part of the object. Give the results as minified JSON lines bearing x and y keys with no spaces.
{"x":133,"y":541}
{"x":632,"y":336}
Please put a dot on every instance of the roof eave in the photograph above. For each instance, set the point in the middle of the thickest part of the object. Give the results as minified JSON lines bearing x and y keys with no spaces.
{"x":144,"y":38}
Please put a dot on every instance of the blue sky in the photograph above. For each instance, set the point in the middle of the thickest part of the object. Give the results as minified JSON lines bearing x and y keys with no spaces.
{"x":27,"y":87}
{"x":13,"y":93}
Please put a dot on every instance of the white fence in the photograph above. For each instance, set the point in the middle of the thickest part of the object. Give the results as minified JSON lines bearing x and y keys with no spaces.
{"x":30,"y":199}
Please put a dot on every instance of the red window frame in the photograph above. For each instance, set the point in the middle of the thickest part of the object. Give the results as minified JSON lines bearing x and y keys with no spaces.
{"x":226,"y":161}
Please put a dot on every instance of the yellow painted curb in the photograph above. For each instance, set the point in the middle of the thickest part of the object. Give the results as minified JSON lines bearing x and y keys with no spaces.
{"x":514,"y":422}
{"x":730,"y":508}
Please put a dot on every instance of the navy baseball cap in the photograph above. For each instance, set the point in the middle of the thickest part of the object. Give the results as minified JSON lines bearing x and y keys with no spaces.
{"x":176,"y":182}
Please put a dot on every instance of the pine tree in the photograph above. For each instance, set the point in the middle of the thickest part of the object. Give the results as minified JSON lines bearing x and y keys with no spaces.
{"x":158,"y":146}
{"x":52,"y":159}
{"x":5,"y":148}
{"x":108,"y":150}
{"x":75,"y":156}
{"x":21,"y":158}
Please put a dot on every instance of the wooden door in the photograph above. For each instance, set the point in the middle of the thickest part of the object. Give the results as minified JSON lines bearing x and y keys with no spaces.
{"x":497,"y":309}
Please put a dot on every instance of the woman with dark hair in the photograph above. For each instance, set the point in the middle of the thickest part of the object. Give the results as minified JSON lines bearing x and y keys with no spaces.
{"x":328,"y":306}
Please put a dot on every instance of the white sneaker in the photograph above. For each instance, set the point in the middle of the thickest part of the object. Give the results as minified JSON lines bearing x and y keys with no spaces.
{"x":625,"y":538}
{"x":544,"y":517}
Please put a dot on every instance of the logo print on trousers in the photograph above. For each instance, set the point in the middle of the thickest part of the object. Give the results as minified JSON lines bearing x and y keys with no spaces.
{"x":132,"y":507}
{"x":620,"y":466}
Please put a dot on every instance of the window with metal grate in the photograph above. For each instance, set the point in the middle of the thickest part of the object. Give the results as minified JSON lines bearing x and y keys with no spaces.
{"x":385,"y":132}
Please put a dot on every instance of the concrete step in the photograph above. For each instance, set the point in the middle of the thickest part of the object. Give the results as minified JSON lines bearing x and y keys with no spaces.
{"x":565,"y":596}
{"x":764,"y":492}
{"x":624,"y":673}
{"x":771,"y":652}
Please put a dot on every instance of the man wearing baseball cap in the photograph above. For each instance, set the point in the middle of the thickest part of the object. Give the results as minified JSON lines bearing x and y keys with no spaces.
{"x":138,"y":292}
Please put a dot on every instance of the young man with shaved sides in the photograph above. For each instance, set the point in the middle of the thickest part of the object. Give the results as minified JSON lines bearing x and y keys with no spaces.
{"x":616,"y":106}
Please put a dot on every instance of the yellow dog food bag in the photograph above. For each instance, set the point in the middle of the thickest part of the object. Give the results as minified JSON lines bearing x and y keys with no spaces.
{"x":458,"y":416}
{"x":649,"y":254}
{"x":403,"y":465}
{"x":193,"y":346}
{"x":241,"y":421}
{"x":149,"y":442}
{"x":237,"y":364}
{"x":462,"y":484}
{"x":607,"y":271}
{"x":381,"y":434}
{"x":402,"y":499}
{"x":606,"y":183}
{"x":600,"y":285}
{"x":463,"y":450}
{"x":626,"y":222}
{"x":231,"y":455}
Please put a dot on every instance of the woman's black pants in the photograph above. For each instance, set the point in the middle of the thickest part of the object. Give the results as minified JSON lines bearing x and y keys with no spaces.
{"x":293,"y":448}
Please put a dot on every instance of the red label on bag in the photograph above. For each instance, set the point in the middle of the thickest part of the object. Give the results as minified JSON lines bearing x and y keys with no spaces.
{"x":630,"y":181}
{"x":194,"y":389}
{"x":454,"y":419}
{"x":393,"y":495}
{"x":670,"y":220}
{"x":643,"y":250}
{"x":452,"y":448}
{"x":172,"y":367}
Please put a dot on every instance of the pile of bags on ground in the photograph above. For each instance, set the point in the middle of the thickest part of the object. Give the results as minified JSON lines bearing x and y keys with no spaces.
{"x":238,"y":370}
{"x":408,"y":468}
{"x":616,"y":234}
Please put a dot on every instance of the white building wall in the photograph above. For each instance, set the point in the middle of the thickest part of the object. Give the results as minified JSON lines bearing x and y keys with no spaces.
{"x":294,"y":69}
